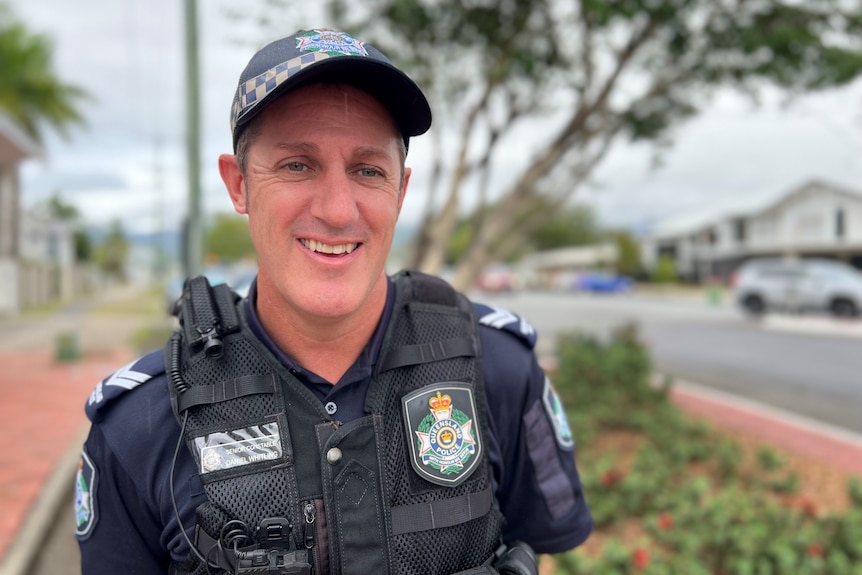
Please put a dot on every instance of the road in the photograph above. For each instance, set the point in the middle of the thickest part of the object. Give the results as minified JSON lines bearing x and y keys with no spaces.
{"x":807,"y":365}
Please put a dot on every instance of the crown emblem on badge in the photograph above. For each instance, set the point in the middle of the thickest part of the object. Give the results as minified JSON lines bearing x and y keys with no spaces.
{"x":440,"y":402}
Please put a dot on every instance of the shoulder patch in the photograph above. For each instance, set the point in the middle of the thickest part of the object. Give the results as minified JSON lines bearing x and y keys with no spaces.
{"x":504,"y":320}
{"x":557,"y":416}
{"x":125,"y":379}
{"x":86,"y":481}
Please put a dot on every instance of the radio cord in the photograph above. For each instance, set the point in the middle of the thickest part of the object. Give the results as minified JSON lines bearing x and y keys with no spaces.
{"x":194,"y":549}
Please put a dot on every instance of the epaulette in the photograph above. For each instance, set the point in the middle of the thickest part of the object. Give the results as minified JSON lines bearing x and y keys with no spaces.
{"x":504,"y":320}
{"x":125,"y":379}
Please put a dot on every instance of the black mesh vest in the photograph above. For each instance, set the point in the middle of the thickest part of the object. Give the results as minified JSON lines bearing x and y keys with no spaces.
{"x":367,"y":497}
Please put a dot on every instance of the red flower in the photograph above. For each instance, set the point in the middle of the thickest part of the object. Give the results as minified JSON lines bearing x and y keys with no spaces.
{"x":815,"y":550}
{"x":640,"y":558}
{"x":611,"y":477}
{"x":665,"y":521}
{"x":808,"y":507}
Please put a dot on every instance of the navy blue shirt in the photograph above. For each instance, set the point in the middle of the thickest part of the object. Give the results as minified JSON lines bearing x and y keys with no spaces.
{"x":126,"y":520}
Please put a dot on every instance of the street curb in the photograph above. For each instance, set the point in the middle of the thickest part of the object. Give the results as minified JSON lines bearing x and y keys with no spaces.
{"x":815,"y":439}
{"x":22,"y":550}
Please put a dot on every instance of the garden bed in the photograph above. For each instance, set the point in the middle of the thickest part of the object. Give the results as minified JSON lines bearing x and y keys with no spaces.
{"x":671,"y":494}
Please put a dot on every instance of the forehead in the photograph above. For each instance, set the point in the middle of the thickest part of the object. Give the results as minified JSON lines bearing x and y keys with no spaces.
{"x":322,"y":107}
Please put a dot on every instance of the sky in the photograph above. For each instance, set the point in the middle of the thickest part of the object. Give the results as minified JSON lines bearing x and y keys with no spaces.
{"x":129,"y":162}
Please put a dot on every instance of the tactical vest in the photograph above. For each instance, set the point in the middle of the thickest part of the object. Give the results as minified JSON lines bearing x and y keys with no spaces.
{"x":405,"y":489}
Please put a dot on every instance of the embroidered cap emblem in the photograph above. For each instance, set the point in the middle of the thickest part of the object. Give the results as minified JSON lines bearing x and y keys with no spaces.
{"x":85,"y":498}
{"x":330,"y":42}
{"x":444,"y":442}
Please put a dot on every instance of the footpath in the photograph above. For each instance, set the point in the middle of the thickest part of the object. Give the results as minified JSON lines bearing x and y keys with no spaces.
{"x":49,"y":364}
{"x":42,"y":422}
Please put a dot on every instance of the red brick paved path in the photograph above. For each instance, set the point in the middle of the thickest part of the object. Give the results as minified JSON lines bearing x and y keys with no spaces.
{"x":41,"y":412}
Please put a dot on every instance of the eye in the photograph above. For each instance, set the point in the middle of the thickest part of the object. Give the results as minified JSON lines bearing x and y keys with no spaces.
{"x":368,"y":172}
{"x":294,"y":166}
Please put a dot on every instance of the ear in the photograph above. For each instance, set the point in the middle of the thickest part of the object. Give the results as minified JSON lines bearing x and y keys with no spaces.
{"x":407,"y":172}
{"x":234,"y":181}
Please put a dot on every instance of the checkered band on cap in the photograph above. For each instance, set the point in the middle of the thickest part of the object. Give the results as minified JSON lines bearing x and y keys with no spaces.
{"x":255,"y":89}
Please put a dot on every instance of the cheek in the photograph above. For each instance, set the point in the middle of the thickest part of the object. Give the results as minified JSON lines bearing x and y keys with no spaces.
{"x":262,"y":227}
{"x":382,"y":209}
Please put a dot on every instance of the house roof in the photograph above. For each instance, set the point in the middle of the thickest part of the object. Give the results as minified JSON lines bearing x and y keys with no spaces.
{"x":15,"y":144}
{"x":753,"y":203}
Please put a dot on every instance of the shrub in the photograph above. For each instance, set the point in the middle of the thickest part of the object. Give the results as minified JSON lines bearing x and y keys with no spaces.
{"x":682,"y":490}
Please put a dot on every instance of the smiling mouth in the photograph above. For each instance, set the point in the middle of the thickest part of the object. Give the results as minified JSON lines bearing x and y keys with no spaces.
{"x":332,"y":250}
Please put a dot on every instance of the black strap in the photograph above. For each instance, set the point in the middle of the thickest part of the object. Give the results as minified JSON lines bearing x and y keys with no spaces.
{"x":442,"y":513}
{"x":428,"y":352}
{"x":226,"y":390}
{"x":207,"y":546}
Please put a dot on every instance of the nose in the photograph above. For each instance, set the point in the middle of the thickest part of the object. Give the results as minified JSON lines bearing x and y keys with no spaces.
{"x":334,"y":202}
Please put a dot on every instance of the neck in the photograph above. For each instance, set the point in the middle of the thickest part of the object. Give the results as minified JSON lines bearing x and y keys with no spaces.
{"x":328,"y":346}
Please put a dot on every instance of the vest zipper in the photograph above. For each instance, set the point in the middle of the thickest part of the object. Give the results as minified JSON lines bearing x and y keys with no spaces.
{"x":310,"y":515}
{"x":314,"y":535}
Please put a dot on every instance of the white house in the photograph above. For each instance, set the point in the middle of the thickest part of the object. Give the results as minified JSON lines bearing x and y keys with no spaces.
{"x":559,"y":268}
{"x":814,"y":219}
{"x":15,"y":147}
{"x":37,"y":253}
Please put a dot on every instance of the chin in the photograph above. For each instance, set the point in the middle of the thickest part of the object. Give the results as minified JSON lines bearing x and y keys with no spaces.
{"x":334,"y":301}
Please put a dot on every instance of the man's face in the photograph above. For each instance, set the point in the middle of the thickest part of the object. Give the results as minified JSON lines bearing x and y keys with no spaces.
{"x":322,"y":191}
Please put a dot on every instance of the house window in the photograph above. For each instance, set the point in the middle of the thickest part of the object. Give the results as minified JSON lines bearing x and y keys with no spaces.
{"x":739,"y":231}
{"x":667,"y":250}
{"x":839,"y":223}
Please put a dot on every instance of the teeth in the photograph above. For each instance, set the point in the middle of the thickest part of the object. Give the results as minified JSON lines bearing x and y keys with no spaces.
{"x":316,"y":246}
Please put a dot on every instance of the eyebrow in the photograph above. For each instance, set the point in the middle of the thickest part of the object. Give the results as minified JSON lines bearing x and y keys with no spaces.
{"x":298,"y":146}
{"x":371,"y":152}
{"x":363,"y":152}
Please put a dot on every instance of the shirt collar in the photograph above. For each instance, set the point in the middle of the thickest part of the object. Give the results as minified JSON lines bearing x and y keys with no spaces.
{"x":361,"y":369}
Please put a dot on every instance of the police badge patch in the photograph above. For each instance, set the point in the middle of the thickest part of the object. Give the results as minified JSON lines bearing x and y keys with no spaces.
{"x":85,"y":497}
{"x":442,"y":431}
{"x":557,"y":415}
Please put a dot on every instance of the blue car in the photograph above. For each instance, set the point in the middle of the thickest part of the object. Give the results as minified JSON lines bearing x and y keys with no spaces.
{"x":595,"y":282}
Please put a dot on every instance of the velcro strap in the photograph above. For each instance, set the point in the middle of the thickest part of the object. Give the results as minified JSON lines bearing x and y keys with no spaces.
{"x":442,"y":513}
{"x":226,"y":390}
{"x":428,"y":352}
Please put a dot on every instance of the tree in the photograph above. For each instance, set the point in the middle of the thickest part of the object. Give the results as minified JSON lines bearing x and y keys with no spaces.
{"x":112,"y":253}
{"x":30,"y":92}
{"x":590,"y":72}
{"x":665,"y":270}
{"x":570,"y":226}
{"x":228,"y":239}
{"x":628,"y":254}
{"x":60,"y":210}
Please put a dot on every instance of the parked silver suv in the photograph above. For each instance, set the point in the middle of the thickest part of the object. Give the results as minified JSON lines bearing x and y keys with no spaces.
{"x":798,"y":284}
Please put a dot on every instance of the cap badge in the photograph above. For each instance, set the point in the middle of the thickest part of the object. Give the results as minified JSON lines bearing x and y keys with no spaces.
{"x":330,"y":42}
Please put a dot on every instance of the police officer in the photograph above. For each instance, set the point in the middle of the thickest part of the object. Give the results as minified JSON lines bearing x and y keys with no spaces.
{"x":336,"y":420}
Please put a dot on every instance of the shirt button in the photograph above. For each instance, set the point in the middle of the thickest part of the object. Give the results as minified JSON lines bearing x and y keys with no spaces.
{"x":331,"y":408}
{"x":333,"y":456}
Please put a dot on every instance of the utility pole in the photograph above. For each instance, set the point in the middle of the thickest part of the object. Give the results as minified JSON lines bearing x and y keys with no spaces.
{"x":193,"y":245}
